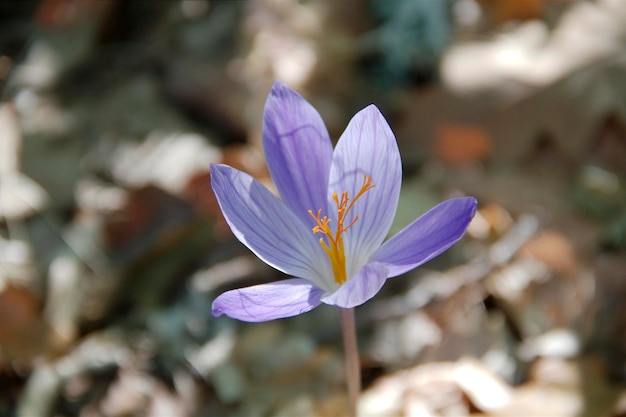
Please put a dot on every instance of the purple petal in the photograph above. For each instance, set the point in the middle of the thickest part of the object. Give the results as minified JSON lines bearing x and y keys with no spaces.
{"x":271,"y":301}
{"x":359,"y":288}
{"x":428,"y":236}
{"x":298,"y":151}
{"x":267,"y":227}
{"x":367,"y":147}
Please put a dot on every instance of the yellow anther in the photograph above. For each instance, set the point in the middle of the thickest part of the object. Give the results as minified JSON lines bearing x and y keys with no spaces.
{"x":334,"y":246}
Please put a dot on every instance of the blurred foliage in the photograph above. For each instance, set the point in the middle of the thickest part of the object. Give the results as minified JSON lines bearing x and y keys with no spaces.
{"x":408,"y":40}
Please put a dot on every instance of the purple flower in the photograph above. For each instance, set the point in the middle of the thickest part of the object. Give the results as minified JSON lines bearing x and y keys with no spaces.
{"x":336,"y":208}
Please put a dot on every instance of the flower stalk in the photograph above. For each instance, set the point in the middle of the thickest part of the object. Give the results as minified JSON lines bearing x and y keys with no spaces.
{"x":352,"y":363}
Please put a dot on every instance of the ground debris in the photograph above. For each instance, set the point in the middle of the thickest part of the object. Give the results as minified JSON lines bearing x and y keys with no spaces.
{"x":113,"y":246}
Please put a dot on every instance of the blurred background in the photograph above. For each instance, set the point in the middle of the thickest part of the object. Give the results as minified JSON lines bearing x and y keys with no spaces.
{"x":112,"y":246}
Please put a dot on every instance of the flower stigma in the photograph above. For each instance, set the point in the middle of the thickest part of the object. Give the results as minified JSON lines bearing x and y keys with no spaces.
{"x":334,"y":246}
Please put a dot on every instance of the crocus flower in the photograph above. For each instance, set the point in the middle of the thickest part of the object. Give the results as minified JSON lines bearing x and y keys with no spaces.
{"x":328,"y":227}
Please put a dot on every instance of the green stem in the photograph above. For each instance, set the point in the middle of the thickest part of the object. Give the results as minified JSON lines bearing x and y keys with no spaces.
{"x":351,"y":350}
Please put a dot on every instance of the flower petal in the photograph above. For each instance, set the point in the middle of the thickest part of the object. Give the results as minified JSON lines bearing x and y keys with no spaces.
{"x":267,"y":227}
{"x":428,"y":236}
{"x":298,"y":151}
{"x":359,"y":288}
{"x":264,"y":302}
{"x":367,"y":147}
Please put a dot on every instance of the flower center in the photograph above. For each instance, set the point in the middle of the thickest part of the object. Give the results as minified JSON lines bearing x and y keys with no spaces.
{"x":333,"y":245}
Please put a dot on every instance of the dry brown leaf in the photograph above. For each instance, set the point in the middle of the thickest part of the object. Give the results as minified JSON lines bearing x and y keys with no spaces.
{"x":24,"y":335}
{"x":459,"y":144}
{"x":58,"y":14}
{"x":554,"y":250}
{"x":149,"y":212}
{"x":498,"y":218}
{"x":501,"y":11}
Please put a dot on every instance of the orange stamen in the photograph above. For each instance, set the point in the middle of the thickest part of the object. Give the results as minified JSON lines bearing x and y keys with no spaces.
{"x":334,"y":246}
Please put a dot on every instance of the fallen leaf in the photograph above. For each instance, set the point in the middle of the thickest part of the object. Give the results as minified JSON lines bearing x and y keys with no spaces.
{"x":502,"y":11}
{"x":24,"y":335}
{"x":554,"y":250}
{"x":459,"y":144}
